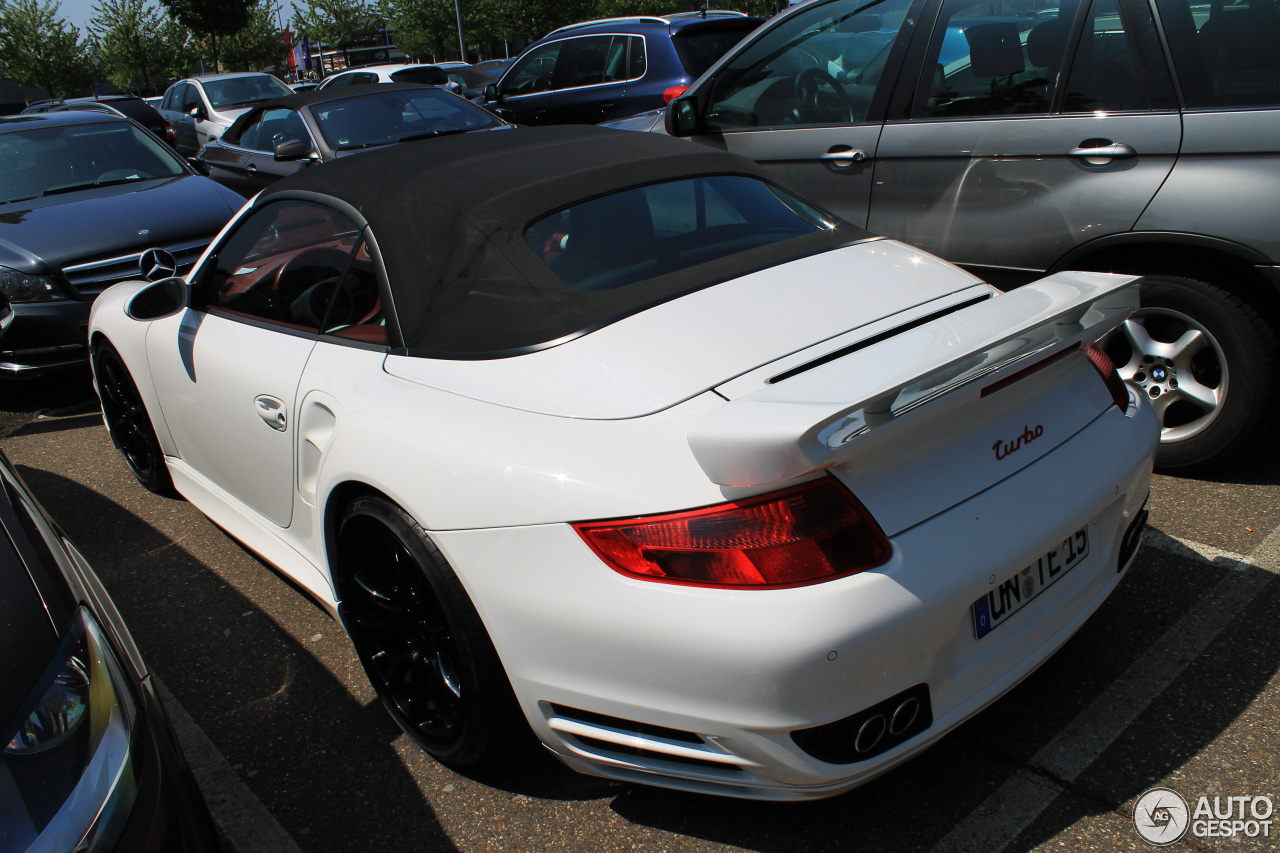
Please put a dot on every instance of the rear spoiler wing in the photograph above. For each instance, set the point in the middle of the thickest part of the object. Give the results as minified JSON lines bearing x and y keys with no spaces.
{"x":806,"y":422}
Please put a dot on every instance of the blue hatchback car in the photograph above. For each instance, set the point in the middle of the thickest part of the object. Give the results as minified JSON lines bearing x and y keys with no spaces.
{"x":609,"y":69}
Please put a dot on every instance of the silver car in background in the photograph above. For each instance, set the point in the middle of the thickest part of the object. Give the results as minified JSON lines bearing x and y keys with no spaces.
{"x":201,"y":108}
{"x":1032,"y":136}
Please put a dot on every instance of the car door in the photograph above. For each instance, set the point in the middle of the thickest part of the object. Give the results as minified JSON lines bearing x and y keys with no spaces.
{"x":590,"y":80}
{"x":226,"y":370}
{"x":528,"y":88}
{"x":179,"y":115}
{"x":1022,"y":133}
{"x":248,"y":164}
{"x":805,"y":98}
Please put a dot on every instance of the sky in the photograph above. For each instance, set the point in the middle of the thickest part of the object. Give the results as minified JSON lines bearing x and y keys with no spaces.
{"x":77,"y":12}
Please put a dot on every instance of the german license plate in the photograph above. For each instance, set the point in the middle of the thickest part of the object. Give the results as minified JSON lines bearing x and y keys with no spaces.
{"x":1019,"y":589}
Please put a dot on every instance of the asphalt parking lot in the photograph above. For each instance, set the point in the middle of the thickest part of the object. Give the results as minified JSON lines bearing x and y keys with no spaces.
{"x":1173,"y":683}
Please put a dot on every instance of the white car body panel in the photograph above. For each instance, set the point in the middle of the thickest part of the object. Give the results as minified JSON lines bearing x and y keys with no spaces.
{"x":495,"y":458}
{"x":212,"y":375}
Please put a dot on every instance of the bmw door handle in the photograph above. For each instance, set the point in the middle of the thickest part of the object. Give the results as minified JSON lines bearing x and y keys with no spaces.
{"x":843,"y":156}
{"x":271,"y":411}
{"x":1107,"y":151}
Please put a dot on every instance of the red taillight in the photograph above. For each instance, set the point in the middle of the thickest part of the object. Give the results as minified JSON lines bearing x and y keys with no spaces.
{"x":169,"y":135}
{"x":1102,"y":363}
{"x":804,"y":535}
{"x":673,"y":92}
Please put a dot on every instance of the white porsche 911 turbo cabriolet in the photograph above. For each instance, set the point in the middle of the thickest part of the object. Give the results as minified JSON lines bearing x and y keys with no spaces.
{"x":609,"y":436}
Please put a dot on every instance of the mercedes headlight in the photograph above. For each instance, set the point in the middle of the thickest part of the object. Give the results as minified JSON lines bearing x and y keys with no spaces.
{"x":68,"y":778}
{"x":20,"y":287}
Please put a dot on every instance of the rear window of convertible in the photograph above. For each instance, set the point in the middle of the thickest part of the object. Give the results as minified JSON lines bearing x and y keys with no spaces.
{"x":645,"y":232}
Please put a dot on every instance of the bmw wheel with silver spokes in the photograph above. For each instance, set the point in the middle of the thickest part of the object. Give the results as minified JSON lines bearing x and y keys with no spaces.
{"x":1179,"y":367}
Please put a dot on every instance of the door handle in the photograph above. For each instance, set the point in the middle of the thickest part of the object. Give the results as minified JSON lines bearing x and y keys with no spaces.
{"x":1110,"y":151}
{"x":843,"y":156}
{"x":252,"y":167}
{"x":271,"y":411}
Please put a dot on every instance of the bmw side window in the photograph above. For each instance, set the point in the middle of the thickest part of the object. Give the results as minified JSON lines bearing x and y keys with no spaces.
{"x":1227,"y":52}
{"x":281,"y":265}
{"x":989,"y":59}
{"x":534,"y":73}
{"x":818,"y":67}
{"x":1117,"y":65}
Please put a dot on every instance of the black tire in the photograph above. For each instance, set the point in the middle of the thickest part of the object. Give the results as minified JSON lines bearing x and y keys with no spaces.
{"x":1216,"y":395}
{"x":127,"y":419}
{"x":419,"y":638}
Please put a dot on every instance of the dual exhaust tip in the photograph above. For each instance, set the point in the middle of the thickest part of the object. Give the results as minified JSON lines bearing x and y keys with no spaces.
{"x":871,"y":731}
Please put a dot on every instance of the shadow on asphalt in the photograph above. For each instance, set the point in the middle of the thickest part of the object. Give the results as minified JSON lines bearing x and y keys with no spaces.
{"x":298,"y":734}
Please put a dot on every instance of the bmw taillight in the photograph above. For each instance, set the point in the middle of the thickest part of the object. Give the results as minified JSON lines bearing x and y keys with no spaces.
{"x":1102,"y":363}
{"x":802,"y":535}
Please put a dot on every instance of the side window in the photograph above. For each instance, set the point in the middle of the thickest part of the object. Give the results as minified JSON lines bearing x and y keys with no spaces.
{"x":248,"y":137}
{"x":636,"y":62}
{"x":821,"y":66}
{"x":275,"y":127}
{"x":190,"y":98}
{"x":354,"y":308}
{"x":1107,"y":72}
{"x":535,"y":72}
{"x":582,"y":62}
{"x":615,"y":62}
{"x":340,"y":81}
{"x":282,"y":264}
{"x":993,"y":59}
{"x":1227,"y":52}
{"x":167,"y":102}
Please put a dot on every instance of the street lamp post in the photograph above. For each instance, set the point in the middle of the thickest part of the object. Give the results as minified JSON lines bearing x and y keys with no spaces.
{"x":462,"y":39}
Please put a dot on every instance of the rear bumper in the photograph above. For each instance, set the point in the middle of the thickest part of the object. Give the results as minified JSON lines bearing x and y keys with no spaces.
{"x":702,"y":689}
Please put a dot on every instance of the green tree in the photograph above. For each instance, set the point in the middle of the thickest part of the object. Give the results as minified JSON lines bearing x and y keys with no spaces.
{"x":422,"y":28}
{"x":138,"y":45}
{"x":39,"y":47}
{"x":211,"y":21}
{"x":337,"y":24}
{"x":257,"y":45}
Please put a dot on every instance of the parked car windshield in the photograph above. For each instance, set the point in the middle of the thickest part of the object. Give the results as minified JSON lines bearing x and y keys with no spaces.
{"x":641,"y":233}
{"x":244,"y":90}
{"x":397,"y":115}
{"x":50,"y":160}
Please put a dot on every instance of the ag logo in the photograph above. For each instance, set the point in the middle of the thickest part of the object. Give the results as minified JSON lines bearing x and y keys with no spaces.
{"x":1161,"y":816}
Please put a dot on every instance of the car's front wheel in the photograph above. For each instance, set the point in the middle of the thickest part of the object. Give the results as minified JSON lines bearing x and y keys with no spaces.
{"x":419,"y":638}
{"x":1205,"y":361}
{"x":127,"y":419}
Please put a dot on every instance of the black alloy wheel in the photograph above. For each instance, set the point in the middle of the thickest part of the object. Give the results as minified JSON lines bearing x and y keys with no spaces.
{"x":420,"y":639}
{"x":128,"y":421}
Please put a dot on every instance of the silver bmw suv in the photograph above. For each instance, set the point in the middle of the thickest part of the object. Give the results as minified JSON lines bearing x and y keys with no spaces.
{"x":1023,"y":137}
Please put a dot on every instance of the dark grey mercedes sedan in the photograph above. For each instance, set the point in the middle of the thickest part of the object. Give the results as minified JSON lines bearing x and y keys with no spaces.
{"x":87,"y":200}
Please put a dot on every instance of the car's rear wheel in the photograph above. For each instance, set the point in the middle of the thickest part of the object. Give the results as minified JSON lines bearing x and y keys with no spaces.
{"x":419,"y":638}
{"x":128,"y":421}
{"x":1205,"y":361}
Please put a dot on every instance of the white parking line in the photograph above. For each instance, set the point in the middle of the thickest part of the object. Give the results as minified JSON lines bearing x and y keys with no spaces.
{"x":241,"y":817}
{"x":1028,"y":793}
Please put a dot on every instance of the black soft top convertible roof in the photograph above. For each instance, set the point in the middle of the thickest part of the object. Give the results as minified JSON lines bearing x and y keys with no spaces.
{"x":449,"y":216}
